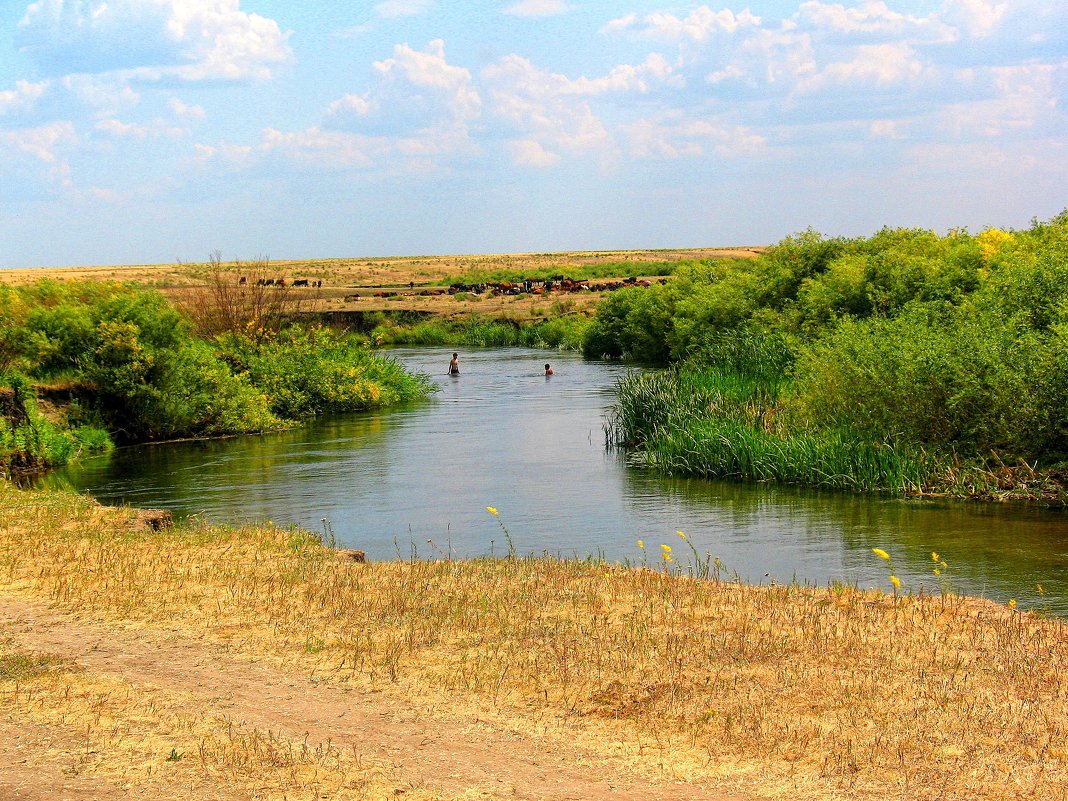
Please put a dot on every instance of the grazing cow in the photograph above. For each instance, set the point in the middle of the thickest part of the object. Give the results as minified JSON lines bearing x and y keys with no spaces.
{"x":300,"y":282}
{"x":242,"y":281}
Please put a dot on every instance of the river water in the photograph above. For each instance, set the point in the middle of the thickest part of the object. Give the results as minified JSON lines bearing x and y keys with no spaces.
{"x":504,"y":435}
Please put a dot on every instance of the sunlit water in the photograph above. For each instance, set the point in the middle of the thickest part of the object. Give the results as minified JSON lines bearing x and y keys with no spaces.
{"x":502,"y":434}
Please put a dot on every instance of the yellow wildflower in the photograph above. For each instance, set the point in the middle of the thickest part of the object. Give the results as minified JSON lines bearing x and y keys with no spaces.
{"x":934,"y":556}
{"x":667,"y":558}
{"x":1012,"y":603}
{"x":665,"y":548}
{"x":491,"y":510}
{"x":880,"y":553}
{"x":937,"y":572}
{"x":641,"y":544}
{"x":681,"y":534}
{"x":1040,"y":590}
{"x":896,"y":582}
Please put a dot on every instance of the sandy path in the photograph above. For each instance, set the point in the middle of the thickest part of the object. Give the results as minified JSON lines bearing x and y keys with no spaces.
{"x":456,"y":755}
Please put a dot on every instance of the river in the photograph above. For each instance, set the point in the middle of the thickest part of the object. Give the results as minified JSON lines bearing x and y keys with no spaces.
{"x":417,"y":481}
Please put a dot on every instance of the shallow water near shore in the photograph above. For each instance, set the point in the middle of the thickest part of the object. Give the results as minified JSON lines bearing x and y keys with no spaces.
{"x":504,"y":435}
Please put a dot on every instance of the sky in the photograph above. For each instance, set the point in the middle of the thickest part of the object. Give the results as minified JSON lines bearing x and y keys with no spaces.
{"x":153,"y":131}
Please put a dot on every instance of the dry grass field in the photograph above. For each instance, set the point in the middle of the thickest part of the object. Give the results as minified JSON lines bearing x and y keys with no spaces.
{"x":342,"y":279}
{"x":255,"y":663}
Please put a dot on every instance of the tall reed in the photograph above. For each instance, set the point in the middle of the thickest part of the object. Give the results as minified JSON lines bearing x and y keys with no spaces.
{"x":723,"y":424}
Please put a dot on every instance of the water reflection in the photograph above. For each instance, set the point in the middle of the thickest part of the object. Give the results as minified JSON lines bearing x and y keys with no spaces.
{"x":503,"y":434}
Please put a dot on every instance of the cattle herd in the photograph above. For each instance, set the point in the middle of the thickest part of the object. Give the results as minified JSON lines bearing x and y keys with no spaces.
{"x":243,"y":280}
{"x":530,"y":286}
{"x":540,"y":287}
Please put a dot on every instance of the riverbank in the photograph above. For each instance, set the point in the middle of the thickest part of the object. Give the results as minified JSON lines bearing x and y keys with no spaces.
{"x":653,"y":683}
{"x":906,"y":362}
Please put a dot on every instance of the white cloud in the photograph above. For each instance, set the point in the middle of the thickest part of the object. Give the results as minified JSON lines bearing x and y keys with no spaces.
{"x":882,"y":65}
{"x":419,"y":106}
{"x":886,"y":129}
{"x":42,"y":142}
{"x":188,"y":39}
{"x":1025,"y":98}
{"x":430,"y":70}
{"x":781,"y":58}
{"x":544,"y":107}
{"x":391,"y":9}
{"x":22,"y":97}
{"x":872,"y":17}
{"x":529,"y":153}
{"x":155,"y":129}
{"x":237,"y":155}
{"x":418,"y":111}
{"x":357,"y":104}
{"x":108,"y":94}
{"x":698,"y":26}
{"x":184,"y":111}
{"x":35,"y":159}
{"x":537,"y":8}
{"x":552,"y":111}
{"x":979,"y":18}
{"x":121,"y":129}
{"x":627,"y":77}
{"x":672,"y":135}
{"x":318,"y":148}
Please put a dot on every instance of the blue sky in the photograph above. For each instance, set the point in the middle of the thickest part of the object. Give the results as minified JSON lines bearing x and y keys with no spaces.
{"x":146,"y":131}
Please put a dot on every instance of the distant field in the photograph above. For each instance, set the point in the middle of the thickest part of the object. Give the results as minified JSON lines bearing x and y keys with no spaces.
{"x":342,"y":279}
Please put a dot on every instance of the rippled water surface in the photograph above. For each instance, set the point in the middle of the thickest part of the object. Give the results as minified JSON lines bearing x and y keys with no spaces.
{"x":501,"y":434}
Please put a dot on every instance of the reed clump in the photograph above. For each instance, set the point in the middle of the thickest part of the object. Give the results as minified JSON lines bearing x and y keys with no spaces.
{"x":792,"y":691}
{"x":717,"y":423}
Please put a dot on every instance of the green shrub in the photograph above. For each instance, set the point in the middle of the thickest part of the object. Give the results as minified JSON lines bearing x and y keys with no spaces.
{"x":934,"y":347}
{"x":305,"y":372}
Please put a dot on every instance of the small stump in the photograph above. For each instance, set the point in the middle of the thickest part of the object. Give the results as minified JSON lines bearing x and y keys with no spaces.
{"x":351,"y":555}
{"x":154,"y":519}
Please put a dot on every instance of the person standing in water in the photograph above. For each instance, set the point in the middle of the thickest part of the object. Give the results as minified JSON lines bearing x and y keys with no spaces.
{"x":454,"y":365}
{"x":548,"y":370}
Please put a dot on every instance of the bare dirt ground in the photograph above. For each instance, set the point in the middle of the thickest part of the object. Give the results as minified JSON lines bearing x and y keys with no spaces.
{"x":417,"y":752}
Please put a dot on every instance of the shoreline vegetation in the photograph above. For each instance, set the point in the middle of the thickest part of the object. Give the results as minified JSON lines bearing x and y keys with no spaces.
{"x":642,"y":671}
{"x":86,"y":365}
{"x":905,"y":362}
{"x":213,"y":349}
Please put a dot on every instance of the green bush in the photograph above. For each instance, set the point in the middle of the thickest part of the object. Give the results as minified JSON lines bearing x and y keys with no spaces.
{"x":134,"y":367}
{"x":306,"y":372}
{"x":936,"y":347}
{"x":29,"y":441}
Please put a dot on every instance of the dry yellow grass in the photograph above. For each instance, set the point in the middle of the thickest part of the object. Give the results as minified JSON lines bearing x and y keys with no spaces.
{"x":152,"y":742}
{"x":785,"y":692}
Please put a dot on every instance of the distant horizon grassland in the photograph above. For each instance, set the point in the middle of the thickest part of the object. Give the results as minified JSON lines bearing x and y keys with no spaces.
{"x":343,"y":279}
{"x":398,"y":269}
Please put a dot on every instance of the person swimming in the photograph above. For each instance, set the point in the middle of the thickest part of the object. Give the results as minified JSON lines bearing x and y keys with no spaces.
{"x":548,"y":370}
{"x":454,"y":365}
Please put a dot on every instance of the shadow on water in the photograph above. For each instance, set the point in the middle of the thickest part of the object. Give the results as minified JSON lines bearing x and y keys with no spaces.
{"x":504,"y":435}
